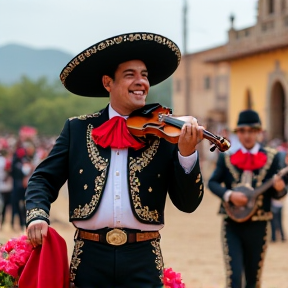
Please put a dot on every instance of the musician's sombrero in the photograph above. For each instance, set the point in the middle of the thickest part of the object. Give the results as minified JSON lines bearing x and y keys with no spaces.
{"x":248,"y":118}
{"x":83,"y":74}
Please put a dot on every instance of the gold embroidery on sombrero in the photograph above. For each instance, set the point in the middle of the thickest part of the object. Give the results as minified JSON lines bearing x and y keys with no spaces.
{"x":227,"y":258}
{"x":75,"y":261}
{"x":84,"y":117}
{"x":159,"y":258}
{"x":101,"y":165}
{"x":114,"y":41}
{"x":137,"y":165}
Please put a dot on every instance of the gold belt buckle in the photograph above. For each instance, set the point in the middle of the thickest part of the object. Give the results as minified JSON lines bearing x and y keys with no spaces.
{"x":116,"y":237}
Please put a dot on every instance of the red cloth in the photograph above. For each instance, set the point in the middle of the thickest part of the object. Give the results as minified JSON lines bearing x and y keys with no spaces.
{"x":114,"y":133}
{"x":48,"y":265}
{"x":248,"y":161}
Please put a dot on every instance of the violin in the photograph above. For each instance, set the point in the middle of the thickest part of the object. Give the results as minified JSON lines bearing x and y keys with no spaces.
{"x":154,"y":119}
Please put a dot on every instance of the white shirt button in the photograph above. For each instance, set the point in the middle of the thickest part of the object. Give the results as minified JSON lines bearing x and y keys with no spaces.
{"x":117,"y":173}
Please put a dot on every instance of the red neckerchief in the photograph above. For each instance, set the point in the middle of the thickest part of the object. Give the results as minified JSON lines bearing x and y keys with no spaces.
{"x":248,"y":161}
{"x":115,"y":134}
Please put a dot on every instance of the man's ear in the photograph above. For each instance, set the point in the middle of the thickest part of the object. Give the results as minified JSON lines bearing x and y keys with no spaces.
{"x":106,"y":80}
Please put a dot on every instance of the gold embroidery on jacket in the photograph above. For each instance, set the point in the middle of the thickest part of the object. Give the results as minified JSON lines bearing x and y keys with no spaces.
{"x":270,"y":156}
{"x":75,"y":261}
{"x":85,"y":117}
{"x":137,"y":165}
{"x":198,"y":179}
{"x":231,"y":168}
{"x":261,"y":216}
{"x":35,"y":213}
{"x":101,"y":165}
{"x":260,"y":177}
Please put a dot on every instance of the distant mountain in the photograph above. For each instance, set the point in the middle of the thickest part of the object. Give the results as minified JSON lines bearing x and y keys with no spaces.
{"x":17,"y":61}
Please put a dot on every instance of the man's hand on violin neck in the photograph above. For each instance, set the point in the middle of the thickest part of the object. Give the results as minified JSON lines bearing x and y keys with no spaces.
{"x":191,"y":134}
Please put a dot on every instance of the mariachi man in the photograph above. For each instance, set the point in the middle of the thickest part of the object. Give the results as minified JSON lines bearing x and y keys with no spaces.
{"x":244,"y":242}
{"x":117,"y":184}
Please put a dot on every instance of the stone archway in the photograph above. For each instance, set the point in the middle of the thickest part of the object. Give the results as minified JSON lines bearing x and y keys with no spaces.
{"x":277,"y":104}
{"x":277,"y":111}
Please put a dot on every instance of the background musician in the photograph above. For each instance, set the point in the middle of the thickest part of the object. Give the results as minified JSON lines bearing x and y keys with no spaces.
{"x":244,"y":243}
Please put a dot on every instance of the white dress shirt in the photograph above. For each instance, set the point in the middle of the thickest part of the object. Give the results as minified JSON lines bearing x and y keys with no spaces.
{"x":114,"y":210}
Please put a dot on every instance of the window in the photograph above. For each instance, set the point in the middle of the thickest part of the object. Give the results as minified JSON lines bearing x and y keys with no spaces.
{"x":270,"y":6}
{"x":286,"y":21}
{"x":283,"y":6}
{"x":207,"y":83}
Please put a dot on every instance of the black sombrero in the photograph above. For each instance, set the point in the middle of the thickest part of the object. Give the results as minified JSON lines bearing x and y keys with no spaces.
{"x":83,"y":74}
{"x":248,"y":118}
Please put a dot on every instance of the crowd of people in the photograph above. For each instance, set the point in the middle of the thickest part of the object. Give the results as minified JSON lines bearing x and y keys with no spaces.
{"x":19,"y":156}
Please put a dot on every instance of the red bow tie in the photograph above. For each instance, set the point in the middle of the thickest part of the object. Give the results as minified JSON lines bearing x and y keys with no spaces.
{"x":114,"y":133}
{"x":248,"y":161}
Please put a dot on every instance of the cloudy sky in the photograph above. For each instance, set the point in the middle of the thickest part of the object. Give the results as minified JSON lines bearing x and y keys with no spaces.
{"x":73,"y":25}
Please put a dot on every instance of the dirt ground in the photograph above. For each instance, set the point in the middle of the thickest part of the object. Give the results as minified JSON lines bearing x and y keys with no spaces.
{"x":191,"y":244}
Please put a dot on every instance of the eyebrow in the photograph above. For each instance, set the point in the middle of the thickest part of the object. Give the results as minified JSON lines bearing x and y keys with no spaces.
{"x":133,"y":70}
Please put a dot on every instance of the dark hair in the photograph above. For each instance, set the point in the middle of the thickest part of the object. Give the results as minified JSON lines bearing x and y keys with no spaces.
{"x":110,"y":70}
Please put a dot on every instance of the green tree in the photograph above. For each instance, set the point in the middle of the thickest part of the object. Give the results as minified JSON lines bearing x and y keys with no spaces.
{"x":46,"y":106}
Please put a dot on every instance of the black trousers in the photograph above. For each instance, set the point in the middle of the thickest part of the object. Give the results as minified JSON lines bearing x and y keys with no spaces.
{"x":276,"y":224}
{"x":6,"y":202}
{"x":98,"y":265}
{"x":244,"y":246}
{"x":17,"y":201}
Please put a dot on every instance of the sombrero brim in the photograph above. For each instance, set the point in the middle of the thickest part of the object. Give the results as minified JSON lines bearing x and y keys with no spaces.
{"x":83,"y":74}
{"x":253,"y":125}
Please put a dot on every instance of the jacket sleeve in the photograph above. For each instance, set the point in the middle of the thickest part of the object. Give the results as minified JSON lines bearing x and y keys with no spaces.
{"x":275,"y":167}
{"x":47,"y":179}
{"x":218,"y":177}
{"x":185,"y":189}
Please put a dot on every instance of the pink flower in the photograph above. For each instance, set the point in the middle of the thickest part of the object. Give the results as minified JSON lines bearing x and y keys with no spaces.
{"x":14,"y":255}
{"x":172,"y":279}
{"x":9,"y":268}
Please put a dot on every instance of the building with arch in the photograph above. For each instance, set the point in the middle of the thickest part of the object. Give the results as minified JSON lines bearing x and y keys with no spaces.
{"x":249,"y":72}
{"x":258,"y":60}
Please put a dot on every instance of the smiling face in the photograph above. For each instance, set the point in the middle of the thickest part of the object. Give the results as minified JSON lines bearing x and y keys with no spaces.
{"x":129,"y":88}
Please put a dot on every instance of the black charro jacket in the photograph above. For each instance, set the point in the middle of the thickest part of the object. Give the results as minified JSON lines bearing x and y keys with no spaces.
{"x":227,"y":176}
{"x":151,"y":172}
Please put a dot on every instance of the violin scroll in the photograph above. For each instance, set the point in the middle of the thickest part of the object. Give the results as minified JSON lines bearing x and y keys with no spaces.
{"x":222,"y":144}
